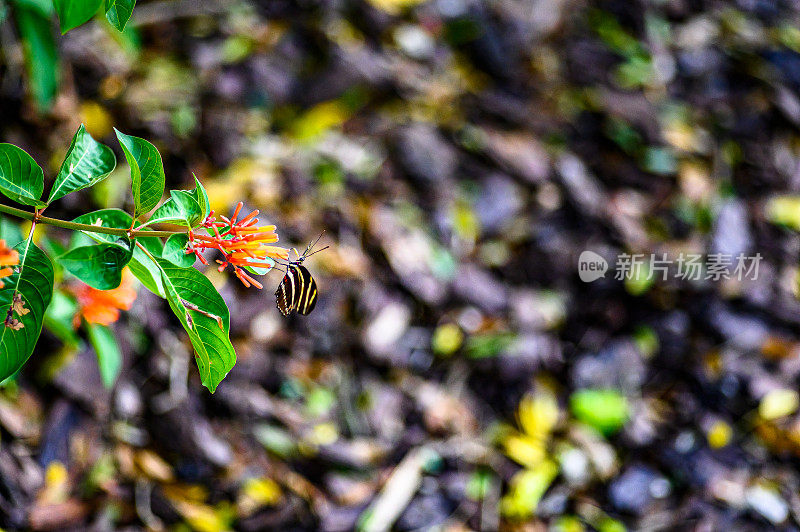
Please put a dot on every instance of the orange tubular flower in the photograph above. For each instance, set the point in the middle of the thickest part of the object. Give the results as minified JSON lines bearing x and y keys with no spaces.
{"x":103,"y":306}
{"x":8,"y":258}
{"x":242,"y":243}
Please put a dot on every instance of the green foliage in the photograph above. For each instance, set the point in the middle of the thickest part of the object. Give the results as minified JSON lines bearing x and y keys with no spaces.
{"x":109,"y":358}
{"x":204,"y":316}
{"x":175,"y":251}
{"x":104,"y":243}
{"x":34,"y":24}
{"x":115,"y":218}
{"x":10,"y":232}
{"x":184,"y":207}
{"x":614,"y":35}
{"x":140,"y":265}
{"x":87,"y":162}
{"x":605,"y":410}
{"x":147,"y":172}
{"x":100,"y":266}
{"x":39,"y":48}
{"x":118,"y":12}
{"x":23,"y":300}
{"x":43,"y":7}
{"x":21,"y":179}
{"x":489,"y":345}
{"x":73,"y":13}
{"x":144,"y":269}
{"x":58,"y":318}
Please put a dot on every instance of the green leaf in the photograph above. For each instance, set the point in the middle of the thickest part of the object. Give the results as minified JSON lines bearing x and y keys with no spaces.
{"x":202,"y":197}
{"x":204,"y":316}
{"x":58,"y":318}
{"x":181,"y":208}
{"x":141,"y":266}
{"x":147,"y":172}
{"x":116,"y":218}
{"x":184,"y":207}
{"x":175,"y":251}
{"x":118,"y":12}
{"x":43,"y":7}
{"x":53,"y":248}
{"x":39,"y":48}
{"x":100,"y":266}
{"x":21,"y":179}
{"x":87,"y":162}
{"x":77,"y":239}
{"x":10,"y":232}
{"x":489,"y":345}
{"x":276,"y":440}
{"x":73,"y":13}
{"x":32,"y":284}
{"x":109,"y":357}
{"x":603,"y":409}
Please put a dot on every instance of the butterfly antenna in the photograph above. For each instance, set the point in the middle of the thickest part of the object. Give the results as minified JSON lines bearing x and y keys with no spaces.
{"x":314,"y":243}
{"x":317,"y":251}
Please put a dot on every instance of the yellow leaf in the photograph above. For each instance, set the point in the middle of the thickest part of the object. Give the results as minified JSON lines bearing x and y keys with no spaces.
{"x":447,"y":338}
{"x":525,"y":450}
{"x":778,"y":403}
{"x":323,"y":434}
{"x":538,"y":414}
{"x":56,"y":474}
{"x":784,"y":210}
{"x":56,"y":484}
{"x":186,"y":492}
{"x":153,"y":466}
{"x":395,"y":6}
{"x":526,"y":490}
{"x":466,"y":222}
{"x":96,"y":119}
{"x":203,"y":518}
{"x":719,"y":435}
{"x":263,"y":491}
{"x":318,"y":120}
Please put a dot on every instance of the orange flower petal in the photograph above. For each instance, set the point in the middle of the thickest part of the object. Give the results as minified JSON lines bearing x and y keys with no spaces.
{"x":103,"y":306}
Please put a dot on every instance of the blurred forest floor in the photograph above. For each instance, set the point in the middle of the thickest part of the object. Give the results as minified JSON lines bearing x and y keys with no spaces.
{"x":456,"y":373}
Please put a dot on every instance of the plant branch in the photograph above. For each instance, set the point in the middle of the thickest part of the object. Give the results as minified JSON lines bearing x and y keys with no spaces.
{"x":140,"y":246}
{"x":25,"y":215}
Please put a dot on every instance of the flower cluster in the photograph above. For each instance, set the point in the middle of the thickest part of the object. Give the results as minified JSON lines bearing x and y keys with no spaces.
{"x":103,"y":306}
{"x":8,"y":258}
{"x":242,"y":243}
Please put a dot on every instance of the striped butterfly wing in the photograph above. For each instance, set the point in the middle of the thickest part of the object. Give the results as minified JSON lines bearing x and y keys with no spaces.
{"x":284,"y":295}
{"x":306,"y":299}
{"x":297,"y":291}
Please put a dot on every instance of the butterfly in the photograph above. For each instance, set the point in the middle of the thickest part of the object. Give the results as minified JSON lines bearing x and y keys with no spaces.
{"x":298,"y":290}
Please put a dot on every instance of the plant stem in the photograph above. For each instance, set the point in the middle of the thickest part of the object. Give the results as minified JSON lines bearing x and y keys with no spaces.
{"x":140,"y":246}
{"x":25,"y":215}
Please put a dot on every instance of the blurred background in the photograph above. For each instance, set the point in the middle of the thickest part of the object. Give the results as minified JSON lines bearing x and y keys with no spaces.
{"x":456,"y":374}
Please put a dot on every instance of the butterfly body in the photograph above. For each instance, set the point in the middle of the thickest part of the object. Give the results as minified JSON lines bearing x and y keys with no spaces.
{"x":297,"y":291}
